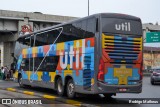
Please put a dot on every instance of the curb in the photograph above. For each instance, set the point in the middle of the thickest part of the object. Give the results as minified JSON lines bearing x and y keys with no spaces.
{"x":50,"y":97}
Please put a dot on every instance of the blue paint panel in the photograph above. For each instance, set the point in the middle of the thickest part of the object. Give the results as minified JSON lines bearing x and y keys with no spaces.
{"x":128,"y":61}
{"x":89,"y":60}
{"x":34,"y":76}
{"x":78,"y":79}
{"x":130,"y":38}
{"x":24,"y":75}
{"x":132,"y":83}
{"x":68,"y":45}
{"x":52,"y":51}
{"x":89,"y":50}
{"x":121,"y":57}
{"x":40,"y":52}
{"x":129,"y":66}
{"x":45,"y":77}
{"x":135,"y":76}
{"x":29,"y":52}
{"x":109,"y":77}
{"x":120,"y":51}
{"x":117,"y":37}
{"x":19,"y":62}
{"x":124,"y":54}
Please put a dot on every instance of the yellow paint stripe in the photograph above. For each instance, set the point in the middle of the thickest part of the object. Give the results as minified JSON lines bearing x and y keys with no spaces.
{"x":49,"y":97}
{"x":11,"y":89}
{"x":141,"y":43}
{"x":137,"y":39}
{"x":109,"y":40}
{"x":136,"y":42}
{"x":103,"y":45}
{"x":109,"y":37}
{"x":28,"y":92}
{"x":72,"y":102}
{"x":123,"y":61}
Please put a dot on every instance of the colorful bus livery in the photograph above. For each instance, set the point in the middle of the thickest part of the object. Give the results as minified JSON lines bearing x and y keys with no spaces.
{"x":124,"y":57}
{"x":98,"y":54}
{"x":73,"y":55}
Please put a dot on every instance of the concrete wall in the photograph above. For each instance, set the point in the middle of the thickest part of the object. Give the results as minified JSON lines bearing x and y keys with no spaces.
{"x":6,"y":49}
{"x":34,"y":16}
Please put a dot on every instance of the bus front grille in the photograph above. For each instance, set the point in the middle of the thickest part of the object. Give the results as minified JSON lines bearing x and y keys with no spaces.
{"x":121,"y":49}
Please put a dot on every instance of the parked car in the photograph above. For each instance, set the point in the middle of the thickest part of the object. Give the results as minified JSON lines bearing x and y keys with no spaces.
{"x":155,"y":76}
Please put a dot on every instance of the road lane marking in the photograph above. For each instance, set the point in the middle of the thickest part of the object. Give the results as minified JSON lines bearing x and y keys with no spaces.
{"x":11,"y":89}
{"x":67,"y":101}
{"x":28,"y":92}
{"x":72,"y":102}
{"x":49,"y":97}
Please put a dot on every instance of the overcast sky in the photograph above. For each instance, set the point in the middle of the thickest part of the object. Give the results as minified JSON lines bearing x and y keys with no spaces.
{"x":147,"y":10}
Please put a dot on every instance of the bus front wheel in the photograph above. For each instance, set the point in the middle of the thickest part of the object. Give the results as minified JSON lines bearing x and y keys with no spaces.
{"x":71,"y":89}
{"x":20,"y":81}
{"x":60,"y":87}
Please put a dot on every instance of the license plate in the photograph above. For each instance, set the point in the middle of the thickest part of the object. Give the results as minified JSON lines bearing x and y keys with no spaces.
{"x":122,"y":89}
{"x":123,"y":71}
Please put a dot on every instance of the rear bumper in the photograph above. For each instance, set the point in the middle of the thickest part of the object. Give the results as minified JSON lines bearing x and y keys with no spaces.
{"x":104,"y":88}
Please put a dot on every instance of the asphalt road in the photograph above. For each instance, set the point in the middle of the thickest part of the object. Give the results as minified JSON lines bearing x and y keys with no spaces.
{"x":148,"y":91}
{"x":8,"y":94}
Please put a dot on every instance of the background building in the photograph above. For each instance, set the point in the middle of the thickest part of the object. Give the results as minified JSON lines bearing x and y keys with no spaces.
{"x":14,"y":24}
{"x":151,"y":55}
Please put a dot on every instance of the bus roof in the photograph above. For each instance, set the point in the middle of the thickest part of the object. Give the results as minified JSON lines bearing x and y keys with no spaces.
{"x":105,"y":15}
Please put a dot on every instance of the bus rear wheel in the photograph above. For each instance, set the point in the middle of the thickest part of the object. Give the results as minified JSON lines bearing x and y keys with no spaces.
{"x":108,"y":96}
{"x":71,"y":89}
{"x":60,"y":87}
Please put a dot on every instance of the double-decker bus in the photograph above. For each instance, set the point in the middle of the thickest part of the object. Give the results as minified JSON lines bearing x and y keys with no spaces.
{"x":98,"y":54}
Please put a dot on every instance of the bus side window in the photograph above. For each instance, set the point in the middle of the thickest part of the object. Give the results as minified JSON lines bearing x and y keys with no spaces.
{"x":40,"y":39}
{"x":25,"y":64}
{"x":46,"y":38}
{"x":84,"y":28}
{"x":49,"y":64}
{"x":32,"y":41}
{"x":91,"y":27}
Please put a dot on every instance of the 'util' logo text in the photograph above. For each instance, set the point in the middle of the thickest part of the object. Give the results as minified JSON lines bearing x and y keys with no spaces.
{"x":71,"y":54}
{"x":126,"y":26}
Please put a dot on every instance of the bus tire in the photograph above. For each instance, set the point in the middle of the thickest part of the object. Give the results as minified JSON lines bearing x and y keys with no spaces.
{"x":71,"y":89}
{"x":60,"y":87}
{"x":108,"y":96}
{"x":20,"y":81}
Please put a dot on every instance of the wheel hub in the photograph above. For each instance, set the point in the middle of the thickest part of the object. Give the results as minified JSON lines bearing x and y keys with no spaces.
{"x":60,"y":86}
{"x":70,"y":88}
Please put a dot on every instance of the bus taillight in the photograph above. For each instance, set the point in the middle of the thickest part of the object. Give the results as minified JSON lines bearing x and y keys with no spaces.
{"x":141,"y":74}
{"x":101,"y":70}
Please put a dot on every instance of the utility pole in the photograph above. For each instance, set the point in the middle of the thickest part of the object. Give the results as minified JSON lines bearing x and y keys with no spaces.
{"x":88,"y":7}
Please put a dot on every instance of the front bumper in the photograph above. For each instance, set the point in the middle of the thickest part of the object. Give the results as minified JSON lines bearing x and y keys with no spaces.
{"x":155,"y":79}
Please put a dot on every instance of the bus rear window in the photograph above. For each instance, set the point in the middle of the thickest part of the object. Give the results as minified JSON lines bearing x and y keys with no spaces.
{"x":121,"y":26}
